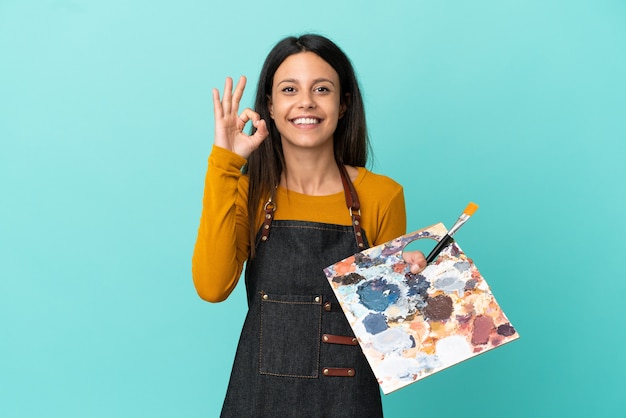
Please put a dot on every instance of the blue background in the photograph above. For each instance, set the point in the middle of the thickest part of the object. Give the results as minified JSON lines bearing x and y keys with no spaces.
{"x":106,"y":124}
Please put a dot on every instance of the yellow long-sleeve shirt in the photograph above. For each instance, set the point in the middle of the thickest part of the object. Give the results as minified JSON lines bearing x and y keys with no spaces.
{"x":223,"y":246}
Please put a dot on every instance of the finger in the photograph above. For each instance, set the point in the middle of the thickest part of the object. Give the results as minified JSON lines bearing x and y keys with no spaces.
{"x":258,"y":137}
{"x":228,"y":95}
{"x":261,"y":132}
{"x":417,"y":261}
{"x":416,"y":268}
{"x":248,"y":115}
{"x":217,"y":105}
{"x":238,"y":94}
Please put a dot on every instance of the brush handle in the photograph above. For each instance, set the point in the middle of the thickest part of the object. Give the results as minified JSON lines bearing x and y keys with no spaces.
{"x":443,"y":243}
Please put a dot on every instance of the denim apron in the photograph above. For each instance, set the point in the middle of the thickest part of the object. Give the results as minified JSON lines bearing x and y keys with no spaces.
{"x":297,"y":355}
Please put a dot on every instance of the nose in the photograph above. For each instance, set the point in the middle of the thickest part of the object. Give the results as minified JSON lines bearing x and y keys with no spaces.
{"x":307,"y":100}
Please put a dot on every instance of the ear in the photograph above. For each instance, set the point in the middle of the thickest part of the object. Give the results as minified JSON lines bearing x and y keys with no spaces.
{"x":270,"y":106}
{"x":343,"y":106}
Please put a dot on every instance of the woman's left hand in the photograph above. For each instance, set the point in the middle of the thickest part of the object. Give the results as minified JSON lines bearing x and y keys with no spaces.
{"x":416,"y":259}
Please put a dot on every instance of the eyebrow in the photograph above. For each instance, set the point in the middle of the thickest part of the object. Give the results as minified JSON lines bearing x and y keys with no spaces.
{"x":317,"y":80}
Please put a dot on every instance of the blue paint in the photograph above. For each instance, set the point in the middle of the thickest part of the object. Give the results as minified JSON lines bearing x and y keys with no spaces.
{"x":462,"y":266}
{"x":364,"y":262}
{"x":375,"y":323}
{"x":450,"y":283}
{"x":418,"y":284}
{"x":377,"y":294}
{"x":470,"y":284}
{"x":506,"y":330}
{"x":390,"y":250}
{"x":348,"y":279}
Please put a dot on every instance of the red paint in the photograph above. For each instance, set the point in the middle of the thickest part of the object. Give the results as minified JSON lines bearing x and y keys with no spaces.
{"x":483,"y":325}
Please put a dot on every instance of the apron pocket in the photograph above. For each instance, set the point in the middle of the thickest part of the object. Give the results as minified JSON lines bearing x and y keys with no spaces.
{"x":290,"y":335}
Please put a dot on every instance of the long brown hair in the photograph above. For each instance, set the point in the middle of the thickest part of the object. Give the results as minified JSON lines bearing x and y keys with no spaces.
{"x":351,"y":143}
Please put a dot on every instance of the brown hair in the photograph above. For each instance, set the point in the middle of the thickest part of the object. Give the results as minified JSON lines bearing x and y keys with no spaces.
{"x":351,"y":143}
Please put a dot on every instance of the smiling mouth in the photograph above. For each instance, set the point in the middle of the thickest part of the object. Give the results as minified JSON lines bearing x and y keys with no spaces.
{"x":306,"y":121}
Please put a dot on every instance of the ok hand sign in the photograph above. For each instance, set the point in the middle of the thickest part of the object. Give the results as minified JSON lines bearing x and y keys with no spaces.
{"x":229,"y":124}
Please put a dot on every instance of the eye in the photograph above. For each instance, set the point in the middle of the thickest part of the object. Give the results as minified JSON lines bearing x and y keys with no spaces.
{"x":322,"y":89}
{"x":288,"y":89}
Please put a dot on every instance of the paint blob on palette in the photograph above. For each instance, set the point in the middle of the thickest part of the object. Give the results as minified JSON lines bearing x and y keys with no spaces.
{"x":413,"y":325}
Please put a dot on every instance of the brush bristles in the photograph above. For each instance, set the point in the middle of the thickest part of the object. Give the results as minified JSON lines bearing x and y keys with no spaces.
{"x":470,"y":209}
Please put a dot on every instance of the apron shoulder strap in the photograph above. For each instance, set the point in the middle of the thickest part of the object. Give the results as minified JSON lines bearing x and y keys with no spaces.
{"x":353,"y":204}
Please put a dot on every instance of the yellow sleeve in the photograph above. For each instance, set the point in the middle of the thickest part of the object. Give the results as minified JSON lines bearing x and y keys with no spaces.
{"x":392,"y":222}
{"x":222,"y":244}
{"x":383,"y":212}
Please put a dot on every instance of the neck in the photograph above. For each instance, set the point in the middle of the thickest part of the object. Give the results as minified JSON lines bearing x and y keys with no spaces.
{"x":311,"y":173}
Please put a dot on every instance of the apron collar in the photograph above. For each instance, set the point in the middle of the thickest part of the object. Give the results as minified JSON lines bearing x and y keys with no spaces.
{"x":352,"y":203}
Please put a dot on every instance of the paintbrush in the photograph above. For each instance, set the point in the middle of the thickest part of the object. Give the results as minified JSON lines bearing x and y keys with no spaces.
{"x":447,"y":239}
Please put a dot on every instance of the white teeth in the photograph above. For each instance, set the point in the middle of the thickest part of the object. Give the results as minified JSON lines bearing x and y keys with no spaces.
{"x":306,"y":121}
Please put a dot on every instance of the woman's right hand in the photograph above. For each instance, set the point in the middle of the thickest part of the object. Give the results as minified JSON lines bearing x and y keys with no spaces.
{"x":229,"y":124}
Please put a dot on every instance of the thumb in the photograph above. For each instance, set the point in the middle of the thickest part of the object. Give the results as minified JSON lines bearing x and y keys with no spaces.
{"x":261,"y":132}
{"x":416,"y":260}
{"x":416,"y":268}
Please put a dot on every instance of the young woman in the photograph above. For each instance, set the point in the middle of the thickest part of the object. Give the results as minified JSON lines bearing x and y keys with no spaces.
{"x":288,"y":200}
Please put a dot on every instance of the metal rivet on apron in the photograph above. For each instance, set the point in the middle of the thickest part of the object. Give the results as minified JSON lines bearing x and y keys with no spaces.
{"x":351,"y":372}
{"x":327,"y":306}
{"x":354,"y":340}
{"x":361,"y":245}
{"x":356,"y":222}
{"x":326,"y":371}
{"x":317,"y":298}
{"x":265,"y":297}
{"x":325,"y":338}
{"x":266,"y":227}
{"x":263,"y":238}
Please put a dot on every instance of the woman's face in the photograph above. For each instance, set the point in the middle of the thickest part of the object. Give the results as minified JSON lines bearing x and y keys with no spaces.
{"x":306,"y":102}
